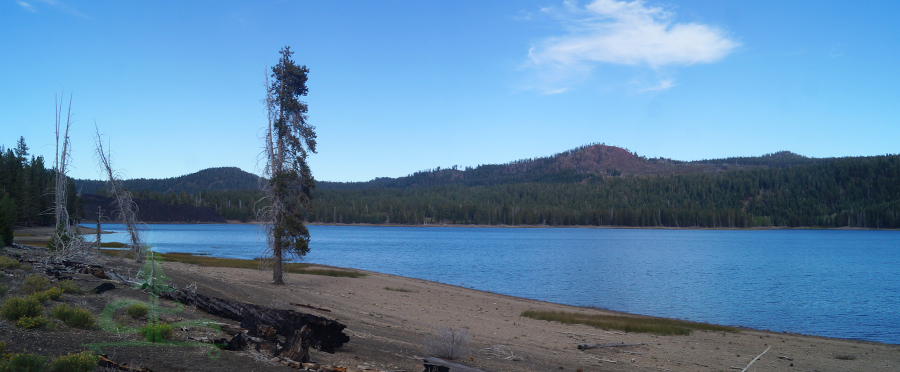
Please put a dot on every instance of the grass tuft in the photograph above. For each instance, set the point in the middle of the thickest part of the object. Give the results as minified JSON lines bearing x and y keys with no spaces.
{"x":156,"y":332}
{"x":397,"y":289}
{"x":845,"y":357}
{"x":35,"y":283}
{"x":8,"y":263}
{"x":658,"y":326}
{"x":69,"y":286}
{"x":3,"y":289}
{"x":136,"y":310}
{"x":84,"y":361}
{"x":74,"y":316}
{"x":15,"y":308}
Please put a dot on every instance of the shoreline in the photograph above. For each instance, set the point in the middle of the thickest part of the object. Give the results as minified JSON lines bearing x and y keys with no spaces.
{"x":450,"y":225}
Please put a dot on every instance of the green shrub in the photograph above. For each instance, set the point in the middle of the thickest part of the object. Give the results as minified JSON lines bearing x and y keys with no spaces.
{"x":8,"y":263}
{"x":69,"y":286}
{"x":81,"y":362}
{"x":74,"y":316}
{"x":54,"y":293}
{"x":35,"y":283}
{"x":41,"y":296}
{"x":136,"y":310}
{"x":16,"y":307}
{"x":2,"y":348}
{"x":24,"y":362}
{"x":32,"y":322}
{"x":3,"y":289}
{"x":156,"y":332}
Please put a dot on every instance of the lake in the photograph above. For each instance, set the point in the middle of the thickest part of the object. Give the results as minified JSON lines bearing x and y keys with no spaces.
{"x":834,"y":283}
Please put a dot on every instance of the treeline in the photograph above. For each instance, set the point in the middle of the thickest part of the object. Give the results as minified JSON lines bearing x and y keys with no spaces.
{"x":26,"y":190}
{"x":854,"y":192}
{"x":212,"y":179}
{"x":775,"y":190}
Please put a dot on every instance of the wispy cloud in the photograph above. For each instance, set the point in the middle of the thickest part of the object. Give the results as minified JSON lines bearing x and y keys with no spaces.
{"x":624,"y":33}
{"x":29,"y":6}
{"x":663,"y":85}
{"x":26,"y":5}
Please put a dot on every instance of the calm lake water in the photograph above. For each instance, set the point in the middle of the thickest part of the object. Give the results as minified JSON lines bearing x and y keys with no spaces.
{"x":831,"y":283}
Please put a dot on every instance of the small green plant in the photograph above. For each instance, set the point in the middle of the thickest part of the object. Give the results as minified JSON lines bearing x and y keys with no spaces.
{"x":136,"y":310}
{"x":3,"y":289}
{"x":8,"y":263}
{"x":845,"y":357}
{"x":41,"y":296}
{"x":84,"y":361}
{"x":156,"y":332}
{"x":17,"y":307}
{"x":2,"y":348}
{"x":24,"y":362}
{"x":54,"y":293}
{"x":74,"y":316}
{"x":35,"y":283}
{"x":32,"y":322}
{"x":69,"y":286}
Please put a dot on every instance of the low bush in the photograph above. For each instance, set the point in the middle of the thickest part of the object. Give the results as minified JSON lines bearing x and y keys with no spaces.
{"x":448,"y":343}
{"x":35,"y":283}
{"x":41,"y":296}
{"x":74,"y":316}
{"x":69,"y":286}
{"x":81,"y":362}
{"x":8,"y":263}
{"x":23,"y":362}
{"x":54,"y":293}
{"x":3,"y":289}
{"x":32,"y":322}
{"x":156,"y":332}
{"x":2,"y":348}
{"x":136,"y":310}
{"x":17,"y":307}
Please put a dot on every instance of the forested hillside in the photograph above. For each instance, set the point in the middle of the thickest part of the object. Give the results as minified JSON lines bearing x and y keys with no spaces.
{"x":595,"y":185}
{"x":26,"y":186}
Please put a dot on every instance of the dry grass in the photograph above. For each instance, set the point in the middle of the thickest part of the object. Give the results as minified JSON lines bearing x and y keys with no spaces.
{"x":296,"y":268}
{"x":640,"y":324}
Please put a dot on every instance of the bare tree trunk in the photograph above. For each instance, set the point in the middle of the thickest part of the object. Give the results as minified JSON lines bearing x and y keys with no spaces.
{"x":127,"y":209}
{"x":99,"y":215}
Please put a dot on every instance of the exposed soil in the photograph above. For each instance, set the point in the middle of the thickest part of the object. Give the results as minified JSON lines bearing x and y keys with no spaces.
{"x":388,"y":317}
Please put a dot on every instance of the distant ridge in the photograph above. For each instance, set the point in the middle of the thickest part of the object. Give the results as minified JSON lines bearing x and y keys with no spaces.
{"x":211,"y":179}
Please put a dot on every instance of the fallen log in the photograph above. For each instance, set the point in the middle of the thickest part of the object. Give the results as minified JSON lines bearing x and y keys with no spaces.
{"x":440,"y":365}
{"x":260,"y":321}
{"x":594,"y":346}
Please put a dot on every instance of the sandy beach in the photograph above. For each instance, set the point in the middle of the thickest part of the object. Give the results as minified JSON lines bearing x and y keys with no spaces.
{"x":388,"y":317}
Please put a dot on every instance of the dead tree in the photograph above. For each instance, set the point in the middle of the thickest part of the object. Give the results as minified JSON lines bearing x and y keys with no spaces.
{"x":65,"y":241}
{"x":126,"y":207}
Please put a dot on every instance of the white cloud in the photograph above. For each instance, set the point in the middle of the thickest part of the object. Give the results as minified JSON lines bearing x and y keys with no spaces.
{"x":625,"y":33}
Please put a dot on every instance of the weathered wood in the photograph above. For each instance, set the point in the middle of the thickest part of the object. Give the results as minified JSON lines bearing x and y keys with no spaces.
{"x":299,"y":346}
{"x":310,"y":307}
{"x":105,"y":362}
{"x":439,"y":365}
{"x":593,"y":346}
{"x":325,"y":334}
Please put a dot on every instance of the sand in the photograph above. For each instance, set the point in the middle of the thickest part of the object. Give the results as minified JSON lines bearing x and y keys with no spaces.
{"x":388,"y":317}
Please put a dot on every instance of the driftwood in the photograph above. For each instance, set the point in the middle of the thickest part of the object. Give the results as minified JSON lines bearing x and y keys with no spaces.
{"x":594,"y":346}
{"x":754,"y":359}
{"x":105,"y":362}
{"x":267,"y":323}
{"x":440,"y":365}
{"x":311,"y":307}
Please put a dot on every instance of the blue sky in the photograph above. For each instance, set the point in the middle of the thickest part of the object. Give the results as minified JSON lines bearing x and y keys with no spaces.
{"x":401,"y":86}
